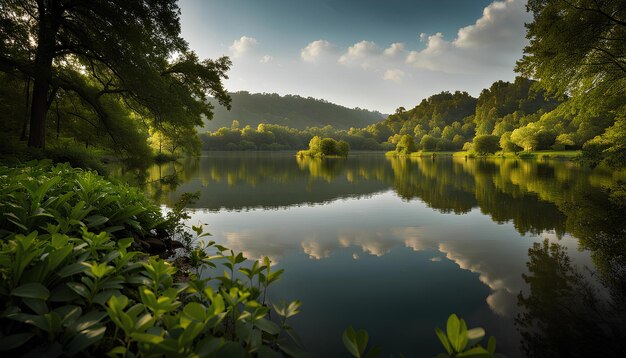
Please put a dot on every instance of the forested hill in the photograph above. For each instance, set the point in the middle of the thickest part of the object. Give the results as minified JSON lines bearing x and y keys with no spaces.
{"x":290,"y":110}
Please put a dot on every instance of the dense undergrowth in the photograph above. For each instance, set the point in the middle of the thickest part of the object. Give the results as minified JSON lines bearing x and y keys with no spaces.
{"x":76,"y":280}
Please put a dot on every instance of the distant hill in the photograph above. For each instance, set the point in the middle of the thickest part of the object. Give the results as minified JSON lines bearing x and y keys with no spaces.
{"x":290,"y":110}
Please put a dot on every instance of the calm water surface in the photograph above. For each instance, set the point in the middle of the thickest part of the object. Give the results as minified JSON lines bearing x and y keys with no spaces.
{"x":532,"y":251}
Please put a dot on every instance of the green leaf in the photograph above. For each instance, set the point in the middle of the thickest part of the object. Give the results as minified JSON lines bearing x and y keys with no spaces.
{"x":147,"y":338}
{"x":208,"y":346}
{"x":444,"y":340}
{"x":266,"y":352}
{"x":491,"y":345}
{"x":267,"y":326}
{"x":96,"y":220}
{"x":14,"y":341}
{"x":474,"y":336}
{"x":72,"y":269}
{"x":476,"y":352}
{"x":292,"y":350}
{"x":231,"y":350}
{"x":85,"y":338}
{"x":38,"y":306}
{"x":87,"y":321}
{"x":79,"y":288}
{"x":31,"y":290}
{"x":355,"y":342}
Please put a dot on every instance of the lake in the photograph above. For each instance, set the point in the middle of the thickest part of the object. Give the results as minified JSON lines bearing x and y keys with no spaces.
{"x":533,"y":251}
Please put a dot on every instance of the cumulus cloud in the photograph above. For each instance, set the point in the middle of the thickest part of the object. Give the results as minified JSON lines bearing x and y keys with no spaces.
{"x":394,"y":75}
{"x":243,"y":45}
{"x":395,"y":49}
{"x":361,"y":53}
{"x":317,"y":50}
{"x":494,"y":40}
{"x":266,"y":59}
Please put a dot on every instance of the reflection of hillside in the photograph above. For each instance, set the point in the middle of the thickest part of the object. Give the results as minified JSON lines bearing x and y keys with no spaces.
{"x":244,"y":181}
{"x":534,"y":196}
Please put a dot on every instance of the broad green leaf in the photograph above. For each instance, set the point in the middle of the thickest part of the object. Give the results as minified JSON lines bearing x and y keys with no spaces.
{"x":267,"y":326}
{"x":85,"y":338}
{"x":491,"y":345}
{"x":31,"y":290}
{"x":79,"y":288}
{"x":15,"y":340}
{"x":96,"y":220}
{"x":349,"y":339}
{"x":444,"y":340}
{"x":474,"y":336}
{"x":72,"y":269}
{"x":476,"y":352}
{"x":231,"y":350}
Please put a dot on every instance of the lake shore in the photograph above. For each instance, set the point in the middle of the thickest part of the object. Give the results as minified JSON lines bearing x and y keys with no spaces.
{"x":540,"y":154}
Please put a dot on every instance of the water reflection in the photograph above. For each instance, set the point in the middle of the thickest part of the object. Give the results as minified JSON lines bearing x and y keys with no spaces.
{"x":411,"y":221}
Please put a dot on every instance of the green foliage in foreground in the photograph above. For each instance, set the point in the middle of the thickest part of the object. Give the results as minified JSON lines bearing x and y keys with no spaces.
{"x":72,"y":283}
{"x":458,"y":341}
{"x":319,"y":147}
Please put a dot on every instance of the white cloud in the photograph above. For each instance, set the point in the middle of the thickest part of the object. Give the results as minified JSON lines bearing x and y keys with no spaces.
{"x":394,"y":75}
{"x":495,"y":40}
{"x":394,"y":49}
{"x":317,"y":50}
{"x":266,"y":59}
{"x":242,"y":46}
{"x":361,"y":53}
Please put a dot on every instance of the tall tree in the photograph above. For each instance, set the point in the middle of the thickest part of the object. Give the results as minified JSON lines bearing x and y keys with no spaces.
{"x":577,"y":45}
{"x":130,"y":50}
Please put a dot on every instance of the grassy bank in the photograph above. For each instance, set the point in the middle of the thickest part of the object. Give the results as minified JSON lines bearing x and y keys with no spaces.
{"x":542,"y":154}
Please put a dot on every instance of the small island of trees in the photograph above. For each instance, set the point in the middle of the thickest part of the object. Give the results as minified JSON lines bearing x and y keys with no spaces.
{"x":322,"y":147}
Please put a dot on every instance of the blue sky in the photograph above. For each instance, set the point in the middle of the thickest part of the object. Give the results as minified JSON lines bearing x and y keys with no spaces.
{"x":369,"y":54}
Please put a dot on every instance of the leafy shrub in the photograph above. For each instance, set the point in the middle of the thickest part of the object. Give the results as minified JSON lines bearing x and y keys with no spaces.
{"x":72,"y":285}
{"x":406,"y":145}
{"x":486,"y":144}
{"x":41,"y":194}
{"x":321,"y":147}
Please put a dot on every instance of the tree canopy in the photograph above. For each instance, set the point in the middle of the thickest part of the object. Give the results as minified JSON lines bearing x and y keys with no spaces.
{"x":106,"y":61}
{"x":577,"y":48}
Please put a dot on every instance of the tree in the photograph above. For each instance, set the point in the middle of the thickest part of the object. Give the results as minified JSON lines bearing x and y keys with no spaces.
{"x":486,"y":144}
{"x":406,"y":145}
{"x":428,"y":143}
{"x":609,"y":147}
{"x":130,"y":50}
{"x":343,"y":148}
{"x":315,"y":145}
{"x":328,"y":146}
{"x":576,"y":45}
{"x":506,"y":144}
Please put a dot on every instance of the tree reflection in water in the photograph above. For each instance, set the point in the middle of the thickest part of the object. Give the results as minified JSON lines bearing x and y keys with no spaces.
{"x":564,"y":315}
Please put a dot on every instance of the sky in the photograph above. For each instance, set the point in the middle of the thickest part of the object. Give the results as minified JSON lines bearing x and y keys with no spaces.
{"x":373,"y":54}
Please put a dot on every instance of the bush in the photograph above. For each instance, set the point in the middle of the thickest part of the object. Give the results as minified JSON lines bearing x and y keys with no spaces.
{"x":342,"y":148}
{"x":406,"y":145}
{"x":319,"y":147}
{"x":486,"y":144}
{"x":428,"y":143}
{"x":72,"y":284}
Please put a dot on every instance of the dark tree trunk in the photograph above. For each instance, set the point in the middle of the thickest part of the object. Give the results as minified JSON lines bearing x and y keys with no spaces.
{"x":24,"y":134}
{"x":46,"y":38}
{"x":37,"y":137}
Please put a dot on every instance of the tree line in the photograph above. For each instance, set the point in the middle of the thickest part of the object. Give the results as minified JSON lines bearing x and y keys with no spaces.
{"x":117,"y":76}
